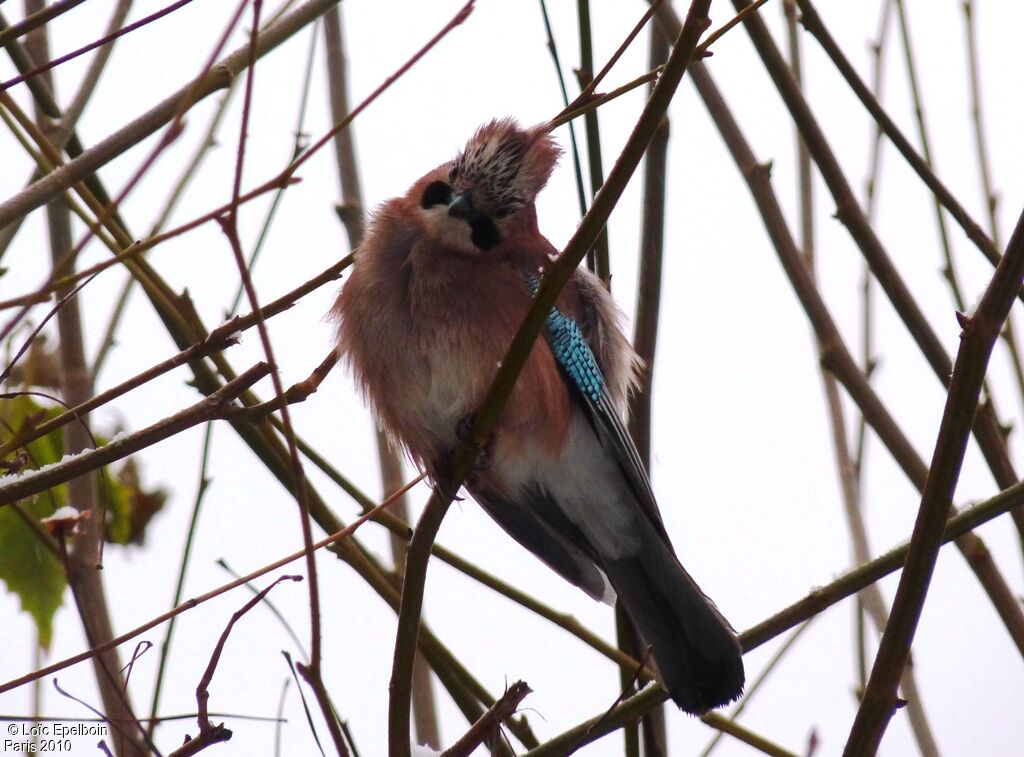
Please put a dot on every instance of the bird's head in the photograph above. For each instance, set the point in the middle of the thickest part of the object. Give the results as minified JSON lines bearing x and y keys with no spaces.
{"x":474,"y":201}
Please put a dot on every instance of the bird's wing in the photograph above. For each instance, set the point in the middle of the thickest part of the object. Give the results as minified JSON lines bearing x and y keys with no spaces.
{"x":534,"y":520}
{"x":576,"y":359}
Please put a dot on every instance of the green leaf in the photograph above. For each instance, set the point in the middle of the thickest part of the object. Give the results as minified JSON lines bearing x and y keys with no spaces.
{"x":27,"y":567}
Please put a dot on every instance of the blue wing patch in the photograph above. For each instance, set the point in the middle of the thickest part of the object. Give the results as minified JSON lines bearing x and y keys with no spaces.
{"x":573,"y":354}
{"x":571,"y":350}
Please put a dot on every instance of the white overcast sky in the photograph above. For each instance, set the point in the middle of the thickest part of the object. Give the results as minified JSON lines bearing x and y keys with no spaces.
{"x":743,"y":461}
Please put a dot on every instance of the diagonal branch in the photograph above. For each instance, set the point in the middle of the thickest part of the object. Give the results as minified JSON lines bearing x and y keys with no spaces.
{"x":216,"y":405}
{"x":980,"y":331}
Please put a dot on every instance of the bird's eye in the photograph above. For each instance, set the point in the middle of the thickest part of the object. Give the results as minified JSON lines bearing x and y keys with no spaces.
{"x":504,"y":211}
{"x":436,"y":193}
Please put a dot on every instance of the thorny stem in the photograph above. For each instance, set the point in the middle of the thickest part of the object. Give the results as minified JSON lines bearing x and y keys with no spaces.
{"x":980,"y":332}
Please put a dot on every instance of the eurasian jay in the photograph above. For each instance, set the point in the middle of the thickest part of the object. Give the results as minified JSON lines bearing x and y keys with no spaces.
{"x":440,"y":286}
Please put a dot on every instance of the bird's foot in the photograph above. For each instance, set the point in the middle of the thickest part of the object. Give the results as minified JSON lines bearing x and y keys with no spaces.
{"x":464,"y":432}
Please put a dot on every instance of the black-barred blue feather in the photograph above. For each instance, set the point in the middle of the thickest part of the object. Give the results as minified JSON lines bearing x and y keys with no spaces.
{"x":571,"y":350}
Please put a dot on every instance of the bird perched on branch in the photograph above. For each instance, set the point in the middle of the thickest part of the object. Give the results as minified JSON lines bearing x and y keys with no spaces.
{"x":441,"y":284}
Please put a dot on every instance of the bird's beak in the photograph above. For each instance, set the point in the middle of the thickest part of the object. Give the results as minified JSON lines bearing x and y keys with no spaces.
{"x":461,"y":206}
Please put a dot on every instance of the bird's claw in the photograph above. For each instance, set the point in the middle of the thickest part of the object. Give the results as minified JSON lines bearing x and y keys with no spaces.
{"x":464,"y":432}
{"x":464,"y":429}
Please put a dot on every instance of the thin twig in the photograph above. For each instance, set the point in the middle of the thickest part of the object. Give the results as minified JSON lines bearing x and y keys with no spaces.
{"x":645,"y":335}
{"x":581,"y":196}
{"x":991,"y":198}
{"x":179,"y":587}
{"x":184,"y":180}
{"x":487,"y":725}
{"x":196,"y":601}
{"x":85,"y":554}
{"x":229,"y":224}
{"x":221,"y":338}
{"x":36,"y":19}
{"x":215,"y":406}
{"x":203,"y":689}
{"x":105,"y":40}
{"x":987,"y":426}
{"x":813,"y":23}
{"x":595,"y":165}
{"x":949,"y":271}
{"x":92,"y":75}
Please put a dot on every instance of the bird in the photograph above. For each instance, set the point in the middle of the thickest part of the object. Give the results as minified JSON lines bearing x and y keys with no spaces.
{"x":440,"y":284}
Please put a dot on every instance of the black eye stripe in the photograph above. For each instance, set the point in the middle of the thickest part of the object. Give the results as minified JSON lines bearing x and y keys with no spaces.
{"x":484,"y":234}
{"x":436,"y":193}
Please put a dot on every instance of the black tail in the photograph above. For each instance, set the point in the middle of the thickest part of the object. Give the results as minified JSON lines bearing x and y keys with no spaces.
{"x":695,"y":650}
